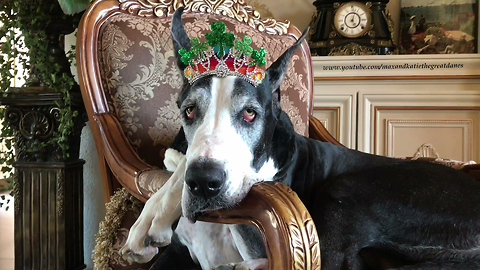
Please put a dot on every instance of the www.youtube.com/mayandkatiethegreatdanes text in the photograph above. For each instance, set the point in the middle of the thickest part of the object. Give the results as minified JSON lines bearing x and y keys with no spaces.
{"x":392,"y":66}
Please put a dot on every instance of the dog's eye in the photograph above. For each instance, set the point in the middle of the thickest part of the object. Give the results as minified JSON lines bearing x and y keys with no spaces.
{"x":249,"y":115}
{"x":190,"y":112}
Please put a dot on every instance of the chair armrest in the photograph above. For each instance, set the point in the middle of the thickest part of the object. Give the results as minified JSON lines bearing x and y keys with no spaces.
{"x":288,"y":231}
{"x":318,"y":132}
{"x":124,"y":163}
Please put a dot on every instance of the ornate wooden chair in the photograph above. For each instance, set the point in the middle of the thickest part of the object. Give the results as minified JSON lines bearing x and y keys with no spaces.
{"x":130,"y":83}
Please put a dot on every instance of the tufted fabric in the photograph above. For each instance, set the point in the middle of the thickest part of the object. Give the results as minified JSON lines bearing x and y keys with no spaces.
{"x":142,"y":82}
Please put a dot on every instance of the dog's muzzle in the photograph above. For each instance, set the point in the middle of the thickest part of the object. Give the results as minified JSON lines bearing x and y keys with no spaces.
{"x":205,"y":178}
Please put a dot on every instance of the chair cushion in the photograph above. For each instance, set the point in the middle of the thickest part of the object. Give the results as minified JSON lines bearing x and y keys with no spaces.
{"x":142,"y":82}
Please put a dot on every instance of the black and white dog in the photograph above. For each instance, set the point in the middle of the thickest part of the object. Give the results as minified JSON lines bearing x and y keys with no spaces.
{"x":371,"y":212}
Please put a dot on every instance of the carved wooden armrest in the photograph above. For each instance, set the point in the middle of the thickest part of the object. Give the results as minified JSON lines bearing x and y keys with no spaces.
{"x":288,"y":231}
{"x":318,"y":132}
{"x":119,"y":154}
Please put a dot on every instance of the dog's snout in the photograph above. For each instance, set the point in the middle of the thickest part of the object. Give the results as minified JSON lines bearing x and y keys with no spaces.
{"x":205,"y":178}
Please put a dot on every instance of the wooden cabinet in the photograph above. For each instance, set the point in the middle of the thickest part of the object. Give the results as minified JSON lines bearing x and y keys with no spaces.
{"x":394,"y":116}
{"x":337,"y":110}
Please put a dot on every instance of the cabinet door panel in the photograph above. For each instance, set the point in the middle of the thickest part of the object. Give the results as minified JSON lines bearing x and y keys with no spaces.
{"x":337,"y":109}
{"x":453,"y":133}
{"x":329,"y":116}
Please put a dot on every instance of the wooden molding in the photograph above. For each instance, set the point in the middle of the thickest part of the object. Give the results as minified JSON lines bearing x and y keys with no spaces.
{"x":345,"y":104}
{"x":376,"y":109}
{"x":336,"y":111}
{"x":362,"y":78}
{"x":371,"y":103}
{"x":466,"y":125}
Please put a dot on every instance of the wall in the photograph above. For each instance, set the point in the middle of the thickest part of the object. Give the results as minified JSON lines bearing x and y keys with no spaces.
{"x":298,"y":12}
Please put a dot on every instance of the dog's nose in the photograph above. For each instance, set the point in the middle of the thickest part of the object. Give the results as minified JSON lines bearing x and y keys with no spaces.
{"x":205,"y":178}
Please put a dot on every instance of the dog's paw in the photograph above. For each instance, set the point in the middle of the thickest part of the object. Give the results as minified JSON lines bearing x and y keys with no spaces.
{"x":172,"y":159}
{"x":232,"y":267}
{"x":145,"y":237}
{"x":258,"y":264}
{"x":143,"y":255}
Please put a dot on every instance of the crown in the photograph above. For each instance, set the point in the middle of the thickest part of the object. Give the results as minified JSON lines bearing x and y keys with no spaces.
{"x":223,"y":56}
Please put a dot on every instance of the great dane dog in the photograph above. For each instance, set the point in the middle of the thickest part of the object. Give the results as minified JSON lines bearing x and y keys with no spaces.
{"x":371,"y":212}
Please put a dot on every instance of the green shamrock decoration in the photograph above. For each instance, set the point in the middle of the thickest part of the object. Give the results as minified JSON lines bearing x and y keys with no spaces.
{"x":186,"y":57}
{"x":258,"y":57}
{"x":243,"y":46}
{"x":219,"y":38}
{"x":198,"y":47}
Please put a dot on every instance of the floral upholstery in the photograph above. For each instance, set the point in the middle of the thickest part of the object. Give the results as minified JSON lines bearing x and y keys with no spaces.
{"x":149,"y":182}
{"x":143,"y":83}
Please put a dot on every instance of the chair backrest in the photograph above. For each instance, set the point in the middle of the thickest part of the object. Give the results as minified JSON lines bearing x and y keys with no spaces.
{"x":131,"y":71}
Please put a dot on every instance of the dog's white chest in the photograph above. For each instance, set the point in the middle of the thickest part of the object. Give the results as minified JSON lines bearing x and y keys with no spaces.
{"x":210,"y":244}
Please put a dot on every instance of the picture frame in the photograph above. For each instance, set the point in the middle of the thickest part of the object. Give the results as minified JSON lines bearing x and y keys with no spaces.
{"x":438,"y":26}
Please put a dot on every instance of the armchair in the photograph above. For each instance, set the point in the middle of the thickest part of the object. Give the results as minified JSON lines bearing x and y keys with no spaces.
{"x":130,"y":83}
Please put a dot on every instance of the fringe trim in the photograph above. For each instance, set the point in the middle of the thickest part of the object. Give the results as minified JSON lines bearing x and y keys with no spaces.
{"x":119,"y":204}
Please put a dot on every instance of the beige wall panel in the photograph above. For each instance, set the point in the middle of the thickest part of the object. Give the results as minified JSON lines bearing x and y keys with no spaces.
{"x":453,"y":133}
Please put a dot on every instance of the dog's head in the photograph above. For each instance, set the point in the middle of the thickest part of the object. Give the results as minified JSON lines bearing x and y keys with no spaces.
{"x":228,"y":124}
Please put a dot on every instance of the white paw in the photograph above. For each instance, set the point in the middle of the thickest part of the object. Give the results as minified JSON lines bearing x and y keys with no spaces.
{"x":172,"y":159}
{"x":256,"y":264}
{"x":145,"y":237}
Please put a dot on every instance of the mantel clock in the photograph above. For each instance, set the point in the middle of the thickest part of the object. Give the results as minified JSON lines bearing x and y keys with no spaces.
{"x":351,"y":28}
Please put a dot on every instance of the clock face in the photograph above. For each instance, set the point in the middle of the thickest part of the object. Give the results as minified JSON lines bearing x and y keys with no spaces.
{"x":352,"y":19}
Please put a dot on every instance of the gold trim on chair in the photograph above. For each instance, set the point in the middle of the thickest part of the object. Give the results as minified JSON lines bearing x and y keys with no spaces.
{"x":236,"y":9}
{"x":104,"y":239}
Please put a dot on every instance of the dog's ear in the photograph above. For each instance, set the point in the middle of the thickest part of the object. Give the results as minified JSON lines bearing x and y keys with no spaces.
{"x":179,"y":37}
{"x":276,"y":71}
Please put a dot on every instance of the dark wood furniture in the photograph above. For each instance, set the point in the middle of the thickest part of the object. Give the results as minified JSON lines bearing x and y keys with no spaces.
{"x":48,"y":189}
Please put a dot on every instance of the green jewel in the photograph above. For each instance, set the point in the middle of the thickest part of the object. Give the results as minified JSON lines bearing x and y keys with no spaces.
{"x":198,"y":47}
{"x":243,"y":46}
{"x":258,"y":57}
{"x":186,"y":57}
{"x":219,"y":38}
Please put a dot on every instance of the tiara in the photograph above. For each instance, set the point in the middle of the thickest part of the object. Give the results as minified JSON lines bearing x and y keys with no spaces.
{"x":223,"y":56}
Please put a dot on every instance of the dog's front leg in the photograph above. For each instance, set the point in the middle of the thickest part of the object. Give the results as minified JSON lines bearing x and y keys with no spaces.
{"x":153,"y":227}
{"x":256,"y":264}
{"x":250,"y":246}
